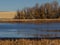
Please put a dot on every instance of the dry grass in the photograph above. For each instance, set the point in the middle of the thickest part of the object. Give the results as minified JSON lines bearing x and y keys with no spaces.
{"x":7,"y":14}
{"x":36,"y":21}
{"x":29,"y":42}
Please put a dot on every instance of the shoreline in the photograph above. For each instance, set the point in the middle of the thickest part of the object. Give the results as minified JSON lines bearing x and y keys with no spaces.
{"x":36,"y":21}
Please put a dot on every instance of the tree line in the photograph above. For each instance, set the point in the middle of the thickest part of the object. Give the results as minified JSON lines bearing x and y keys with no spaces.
{"x":44,"y":11}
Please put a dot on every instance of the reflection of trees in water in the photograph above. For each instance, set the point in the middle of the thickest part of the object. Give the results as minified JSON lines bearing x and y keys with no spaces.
{"x":49,"y":34}
{"x":26,"y":33}
{"x":45,"y":34}
{"x":37,"y":35}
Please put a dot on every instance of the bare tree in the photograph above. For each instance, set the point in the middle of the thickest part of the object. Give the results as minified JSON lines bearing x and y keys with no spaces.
{"x":18,"y":15}
{"x":47,"y":10}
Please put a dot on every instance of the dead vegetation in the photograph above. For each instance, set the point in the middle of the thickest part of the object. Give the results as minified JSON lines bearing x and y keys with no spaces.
{"x":44,"y":11}
{"x":29,"y":41}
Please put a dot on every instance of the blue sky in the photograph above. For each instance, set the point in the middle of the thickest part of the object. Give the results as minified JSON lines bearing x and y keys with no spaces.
{"x":13,"y":5}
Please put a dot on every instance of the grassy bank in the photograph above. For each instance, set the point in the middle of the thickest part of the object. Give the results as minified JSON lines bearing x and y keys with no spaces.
{"x":29,"y":21}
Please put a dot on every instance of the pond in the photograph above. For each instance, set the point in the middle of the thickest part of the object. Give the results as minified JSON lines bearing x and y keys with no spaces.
{"x":27,"y":30}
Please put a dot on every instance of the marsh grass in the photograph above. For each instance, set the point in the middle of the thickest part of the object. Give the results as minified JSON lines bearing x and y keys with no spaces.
{"x":29,"y":41}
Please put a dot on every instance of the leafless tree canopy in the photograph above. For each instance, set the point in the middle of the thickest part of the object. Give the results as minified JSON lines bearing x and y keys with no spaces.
{"x":44,"y":11}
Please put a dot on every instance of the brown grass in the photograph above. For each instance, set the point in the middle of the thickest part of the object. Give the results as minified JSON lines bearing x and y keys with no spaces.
{"x":36,"y":21}
{"x":7,"y":14}
{"x":29,"y":42}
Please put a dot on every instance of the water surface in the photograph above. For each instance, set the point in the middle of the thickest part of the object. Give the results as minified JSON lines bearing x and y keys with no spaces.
{"x":22,"y":30}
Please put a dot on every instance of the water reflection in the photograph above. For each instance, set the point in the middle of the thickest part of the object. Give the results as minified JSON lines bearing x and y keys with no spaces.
{"x":30,"y":30}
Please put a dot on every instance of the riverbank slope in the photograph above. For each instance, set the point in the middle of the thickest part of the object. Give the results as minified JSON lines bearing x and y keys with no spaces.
{"x":29,"y":21}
